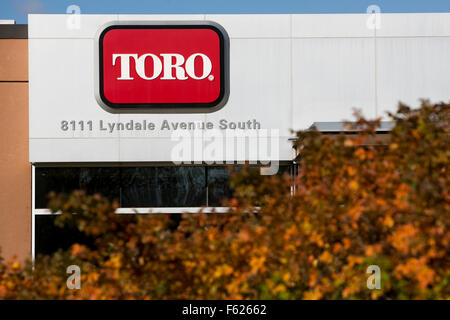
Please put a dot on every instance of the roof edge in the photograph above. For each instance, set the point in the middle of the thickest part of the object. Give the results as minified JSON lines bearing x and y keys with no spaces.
{"x":13,"y":31}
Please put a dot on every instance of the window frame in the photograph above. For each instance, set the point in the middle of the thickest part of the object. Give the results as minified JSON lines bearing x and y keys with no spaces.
{"x":35,"y":212}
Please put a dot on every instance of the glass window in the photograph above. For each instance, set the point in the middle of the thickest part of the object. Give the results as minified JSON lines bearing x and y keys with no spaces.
{"x":105,"y":181}
{"x":218,"y":186}
{"x":134,"y":187}
{"x":169,"y":186}
{"x":163,"y":187}
{"x":50,"y":238}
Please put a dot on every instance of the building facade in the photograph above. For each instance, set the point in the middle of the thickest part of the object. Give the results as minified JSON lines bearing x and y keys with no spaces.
{"x":126,"y":106}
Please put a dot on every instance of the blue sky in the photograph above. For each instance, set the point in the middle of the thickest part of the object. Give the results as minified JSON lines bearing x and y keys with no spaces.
{"x":18,"y":9}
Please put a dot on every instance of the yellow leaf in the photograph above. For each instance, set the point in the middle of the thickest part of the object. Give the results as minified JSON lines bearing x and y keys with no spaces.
{"x":353,"y":185}
{"x":326,"y":257}
{"x":256,"y":263}
{"x":388,"y":222}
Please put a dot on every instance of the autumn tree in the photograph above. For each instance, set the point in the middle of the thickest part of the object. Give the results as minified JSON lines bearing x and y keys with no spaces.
{"x":356,"y":202}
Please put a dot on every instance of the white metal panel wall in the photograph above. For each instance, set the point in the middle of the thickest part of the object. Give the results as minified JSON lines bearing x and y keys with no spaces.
{"x":287,"y":71}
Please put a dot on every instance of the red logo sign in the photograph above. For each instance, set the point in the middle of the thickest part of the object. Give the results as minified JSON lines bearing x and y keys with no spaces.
{"x":165,"y":67}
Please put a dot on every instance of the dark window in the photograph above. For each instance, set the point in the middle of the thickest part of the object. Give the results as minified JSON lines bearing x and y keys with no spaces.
{"x":105,"y":181}
{"x":218,"y":187}
{"x":169,"y":186}
{"x":163,"y":187}
{"x":50,"y":238}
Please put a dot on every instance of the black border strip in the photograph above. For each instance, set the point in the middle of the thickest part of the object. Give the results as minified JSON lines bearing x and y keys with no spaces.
{"x":13,"y":31}
{"x":169,"y":107}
